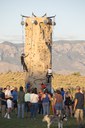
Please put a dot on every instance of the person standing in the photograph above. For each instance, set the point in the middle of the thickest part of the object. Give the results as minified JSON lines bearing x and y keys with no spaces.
{"x":68,"y":103}
{"x":40,"y":108}
{"x":79,"y":107}
{"x":58,"y":102}
{"x":34,"y":98}
{"x":45,"y":98}
{"x":27,"y":86}
{"x":27,"y":102}
{"x":15,"y":96}
{"x":8,"y":97}
{"x":21,"y":102}
{"x":3,"y":102}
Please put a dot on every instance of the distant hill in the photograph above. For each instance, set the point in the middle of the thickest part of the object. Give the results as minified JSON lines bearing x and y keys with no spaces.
{"x":67,"y":56}
{"x":10,"y":56}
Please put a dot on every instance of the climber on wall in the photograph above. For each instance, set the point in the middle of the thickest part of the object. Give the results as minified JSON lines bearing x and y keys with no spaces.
{"x":23,"y":62}
{"x":49,"y":75}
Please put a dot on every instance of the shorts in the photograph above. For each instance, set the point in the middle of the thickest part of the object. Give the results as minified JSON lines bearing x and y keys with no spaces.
{"x":58,"y":106}
{"x":9,"y":103}
{"x":79,"y":114}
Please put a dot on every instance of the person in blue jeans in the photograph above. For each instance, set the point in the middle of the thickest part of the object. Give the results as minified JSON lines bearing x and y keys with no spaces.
{"x":15,"y":96}
{"x":34,"y":98}
{"x":46,"y":102}
{"x":58,"y":102}
{"x":21,"y":102}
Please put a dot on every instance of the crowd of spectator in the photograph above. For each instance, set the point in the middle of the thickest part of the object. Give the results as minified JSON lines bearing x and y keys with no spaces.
{"x":29,"y":102}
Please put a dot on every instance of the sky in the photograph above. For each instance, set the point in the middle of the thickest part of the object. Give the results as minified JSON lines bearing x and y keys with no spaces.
{"x":70,"y":18}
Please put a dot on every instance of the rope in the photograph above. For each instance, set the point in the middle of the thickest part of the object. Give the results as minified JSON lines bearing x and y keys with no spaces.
{"x":30,"y":72}
{"x":22,"y":23}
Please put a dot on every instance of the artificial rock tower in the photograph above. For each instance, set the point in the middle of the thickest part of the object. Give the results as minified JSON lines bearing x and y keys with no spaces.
{"x":38,"y":47}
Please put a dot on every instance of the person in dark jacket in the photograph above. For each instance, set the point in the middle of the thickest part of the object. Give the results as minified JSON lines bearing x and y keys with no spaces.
{"x":79,"y":107}
{"x":23,"y":62}
{"x":3,"y":102}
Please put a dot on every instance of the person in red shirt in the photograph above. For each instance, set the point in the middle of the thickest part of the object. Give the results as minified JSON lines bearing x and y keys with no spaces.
{"x":43,"y":86}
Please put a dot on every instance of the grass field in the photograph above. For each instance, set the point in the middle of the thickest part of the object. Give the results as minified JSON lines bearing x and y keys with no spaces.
{"x":29,"y":123}
{"x":59,"y":80}
{"x":18,"y":79}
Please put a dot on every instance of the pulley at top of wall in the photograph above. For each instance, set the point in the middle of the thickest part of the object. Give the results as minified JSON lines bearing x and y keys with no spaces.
{"x":22,"y":22}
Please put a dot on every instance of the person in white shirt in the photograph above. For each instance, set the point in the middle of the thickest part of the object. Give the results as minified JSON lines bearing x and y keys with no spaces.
{"x":49,"y":74}
{"x":27,"y":102}
{"x":8,"y":97}
{"x":34,"y":98}
{"x":49,"y":71}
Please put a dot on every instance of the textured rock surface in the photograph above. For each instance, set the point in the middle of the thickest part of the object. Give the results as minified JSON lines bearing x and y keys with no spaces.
{"x":38,"y":48}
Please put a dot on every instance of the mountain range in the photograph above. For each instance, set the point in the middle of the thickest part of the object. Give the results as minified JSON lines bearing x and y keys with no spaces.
{"x":68,"y":56}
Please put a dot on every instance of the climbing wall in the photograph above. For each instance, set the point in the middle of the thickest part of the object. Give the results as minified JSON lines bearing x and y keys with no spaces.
{"x":38,"y":47}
